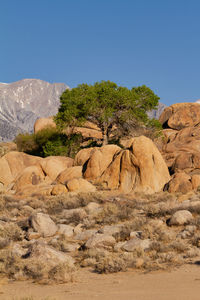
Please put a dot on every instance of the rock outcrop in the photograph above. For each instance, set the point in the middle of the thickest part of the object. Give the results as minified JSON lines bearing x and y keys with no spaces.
{"x":100,"y":159}
{"x":181,"y":146}
{"x":139,"y":168}
{"x":88,"y":130}
{"x":13,"y":163}
{"x":43,"y":123}
{"x":52,"y":166}
{"x":180,"y":115}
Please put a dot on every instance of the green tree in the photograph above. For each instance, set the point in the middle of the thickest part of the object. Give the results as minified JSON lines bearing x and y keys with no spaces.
{"x":106,"y":105}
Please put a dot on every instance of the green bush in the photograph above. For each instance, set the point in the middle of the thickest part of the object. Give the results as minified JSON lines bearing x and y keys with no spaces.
{"x":49,"y":141}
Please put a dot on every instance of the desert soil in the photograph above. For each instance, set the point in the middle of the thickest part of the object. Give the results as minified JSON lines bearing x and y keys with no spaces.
{"x":182,"y":283}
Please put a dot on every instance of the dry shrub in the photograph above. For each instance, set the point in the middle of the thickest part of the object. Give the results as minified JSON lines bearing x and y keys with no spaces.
{"x":61,"y":273}
{"x":110,"y":264}
{"x":12,"y":232}
{"x":9,"y":264}
{"x":15,"y":267}
{"x":36,"y":203}
{"x":179,"y":246}
{"x":35,"y":270}
{"x":113,"y":213}
{"x":55,"y":205}
{"x":42,"y":272}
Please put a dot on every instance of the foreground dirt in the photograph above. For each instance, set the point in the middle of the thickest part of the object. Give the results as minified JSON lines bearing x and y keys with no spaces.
{"x":182,"y":283}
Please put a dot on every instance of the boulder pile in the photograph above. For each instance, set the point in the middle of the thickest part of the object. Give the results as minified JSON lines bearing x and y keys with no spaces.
{"x":181,"y":146}
{"x":139,"y":167}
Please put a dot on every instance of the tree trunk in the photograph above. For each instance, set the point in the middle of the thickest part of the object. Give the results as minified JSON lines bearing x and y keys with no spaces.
{"x":105,"y":136}
{"x":105,"y":139}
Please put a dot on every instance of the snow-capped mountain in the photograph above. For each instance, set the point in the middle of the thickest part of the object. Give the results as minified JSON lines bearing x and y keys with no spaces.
{"x":22,"y":102}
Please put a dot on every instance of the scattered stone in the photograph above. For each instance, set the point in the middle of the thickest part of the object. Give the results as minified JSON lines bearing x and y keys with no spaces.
{"x":135,"y":234}
{"x":43,"y":224}
{"x":85,"y":235}
{"x":48,"y":255}
{"x":18,"y":250}
{"x":69,"y":247}
{"x":66,"y":230}
{"x":101,"y":241}
{"x":111,"y":230}
{"x":78,"y":228}
{"x":135,"y":244}
{"x":181,"y":217}
{"x":31,"y":235}
{"x":119,"y":246}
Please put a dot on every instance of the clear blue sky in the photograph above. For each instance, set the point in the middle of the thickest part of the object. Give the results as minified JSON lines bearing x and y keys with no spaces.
{"x":130,"y":42}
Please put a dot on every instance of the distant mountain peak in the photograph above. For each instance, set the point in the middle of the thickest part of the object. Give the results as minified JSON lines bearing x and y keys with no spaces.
{"x":23,"y":101}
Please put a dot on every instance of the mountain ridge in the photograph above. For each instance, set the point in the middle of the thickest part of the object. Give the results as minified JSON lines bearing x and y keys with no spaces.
{"x":24,"y":101}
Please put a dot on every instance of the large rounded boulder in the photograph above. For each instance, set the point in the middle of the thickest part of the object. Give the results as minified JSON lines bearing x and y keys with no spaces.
{"x":180,"y":115}
{"x":138,"y":168}
{"x":100,"y":159}
{"x":54,"y":165}
{"x":13,"y":163}
{"x":43,"y":123}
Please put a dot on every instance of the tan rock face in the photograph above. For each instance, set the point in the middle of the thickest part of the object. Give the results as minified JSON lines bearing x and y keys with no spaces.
{"x":82,"y":156}
{"x":40,"y":189}
{"x":181,"y":115}
{"x":54,"y":165}
{"x":195,"y":181}
{"x":43,"y":123}
{"x":13,"y":163}
{"x":80,"y":185}
{"x":141,"y":168}
{"x":99,"y":160}
{"x":59,"y":189}
{"x":88,"y":130}
{"x":181,"y":182}
{"x":7,"y":147}
{"x":31,"y":175}
{"x":185,"y":143}
{"x":69,"y":174}
{"x":181,"y":149}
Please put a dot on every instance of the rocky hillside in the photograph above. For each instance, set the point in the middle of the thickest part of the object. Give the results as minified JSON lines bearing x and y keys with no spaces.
{"x":22,"y":102}
{"x":104,"y":210}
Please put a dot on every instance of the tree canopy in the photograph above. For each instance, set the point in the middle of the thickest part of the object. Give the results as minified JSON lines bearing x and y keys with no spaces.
{"x":106,"y":105}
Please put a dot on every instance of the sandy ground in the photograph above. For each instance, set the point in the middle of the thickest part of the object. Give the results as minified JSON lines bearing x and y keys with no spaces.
{"x":179,"y":284}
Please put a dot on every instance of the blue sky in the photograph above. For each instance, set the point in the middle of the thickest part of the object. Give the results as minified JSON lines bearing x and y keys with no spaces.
{"x":130,"y":42}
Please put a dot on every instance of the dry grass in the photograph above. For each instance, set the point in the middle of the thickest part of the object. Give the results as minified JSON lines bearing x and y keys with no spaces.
{"x":170,"y":246}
